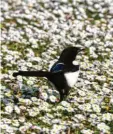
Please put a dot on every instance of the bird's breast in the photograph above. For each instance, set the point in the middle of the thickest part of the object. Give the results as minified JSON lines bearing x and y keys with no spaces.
{"x":71,"y":78}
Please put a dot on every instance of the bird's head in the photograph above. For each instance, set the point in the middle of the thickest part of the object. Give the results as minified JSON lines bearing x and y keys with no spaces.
{"x":69,"y":54}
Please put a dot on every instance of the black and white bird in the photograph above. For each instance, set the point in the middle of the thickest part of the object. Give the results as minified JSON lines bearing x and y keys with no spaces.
{"x":63,"y":74}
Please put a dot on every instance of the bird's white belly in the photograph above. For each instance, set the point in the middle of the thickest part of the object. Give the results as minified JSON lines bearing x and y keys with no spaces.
{"x":71,"y":78}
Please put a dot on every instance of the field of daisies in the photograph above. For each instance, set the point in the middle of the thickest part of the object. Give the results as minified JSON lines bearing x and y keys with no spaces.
{"x":33,"y":34}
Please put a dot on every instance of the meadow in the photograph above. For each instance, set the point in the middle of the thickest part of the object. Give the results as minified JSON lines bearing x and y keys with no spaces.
{"x":33,"y":34}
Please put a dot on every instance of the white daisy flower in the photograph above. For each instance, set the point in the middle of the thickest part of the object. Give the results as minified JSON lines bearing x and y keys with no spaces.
{"x":87,"y":131}
{"x":44,"y":96}
{"x":21,"y":119}
{"x":9,"y":109}
{"x":52,"y":98}
{"x":32,"y":113}
{"x":17,"y":109}
{"x":103,"y":127}
{"x":23,"y":129}
{"x":107,"y":116}
{"x":65,"y":104}
{"x":15,"y":123}
{"x":96,"y":108}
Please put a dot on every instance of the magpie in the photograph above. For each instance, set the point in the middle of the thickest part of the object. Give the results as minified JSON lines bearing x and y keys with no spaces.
{"x":62,"y":75}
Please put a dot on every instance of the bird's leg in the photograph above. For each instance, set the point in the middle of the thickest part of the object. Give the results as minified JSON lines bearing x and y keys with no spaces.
{"x":63,"y":93}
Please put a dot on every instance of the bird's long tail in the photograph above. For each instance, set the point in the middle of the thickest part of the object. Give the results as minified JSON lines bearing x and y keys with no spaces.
{"x":33,"y":73}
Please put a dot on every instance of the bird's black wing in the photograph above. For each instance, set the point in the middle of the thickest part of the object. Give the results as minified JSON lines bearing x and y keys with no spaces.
{"x":57,"y":67}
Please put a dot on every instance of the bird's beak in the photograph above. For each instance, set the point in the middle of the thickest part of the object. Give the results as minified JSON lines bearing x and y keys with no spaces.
{"x":82,"y":49}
